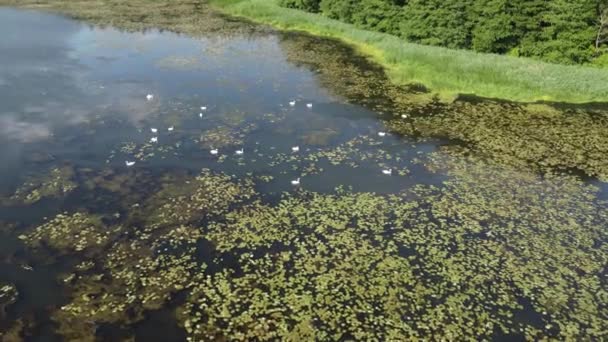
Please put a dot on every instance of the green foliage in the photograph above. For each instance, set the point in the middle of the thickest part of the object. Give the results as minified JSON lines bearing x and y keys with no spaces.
{"x":559,"y":31}
{"x":444,"y":71}
{"x":495,"y":29}
{"x":437,"y":22}
{"x":306,"y":5}
{"x":377,"y":15}
{"x":569,"y":34}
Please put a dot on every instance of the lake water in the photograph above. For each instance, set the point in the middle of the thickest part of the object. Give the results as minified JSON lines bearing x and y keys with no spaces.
{"x":186,"y":243}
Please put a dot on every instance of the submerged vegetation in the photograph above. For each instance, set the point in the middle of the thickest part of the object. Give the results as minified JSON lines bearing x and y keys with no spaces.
{"x":54,"y":185}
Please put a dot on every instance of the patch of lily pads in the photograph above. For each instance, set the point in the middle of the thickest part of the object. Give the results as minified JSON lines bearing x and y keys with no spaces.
{"x":461,"y":261}
{"x":8,"y":296}
{"x":120,"y":279}
{"x":70,"y":233}
{"x":541,"y":137}
{"x":55,"y":184}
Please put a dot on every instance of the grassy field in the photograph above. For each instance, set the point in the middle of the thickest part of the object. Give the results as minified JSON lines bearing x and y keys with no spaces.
{"x":445,"y":71}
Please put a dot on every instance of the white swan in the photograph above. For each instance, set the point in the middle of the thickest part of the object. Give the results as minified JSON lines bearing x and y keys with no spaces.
{"x":381,"y":134}
{"x":154,"y":139}
{"x":309,"y":105}
{"x":149,"y":97}
{"x":295,"y":149}
{"x":215,"y":151}
{"x":292,"y":103}
{"x":387,"y":172}
{"x":153,"y":130}
{"x":129,"y":163}
{"x":203,"y":108}
{"x":200,"y":115}
{"x":170,"y":129}
{"x":404,"y":116}
{"x":240,"y":152}
{"x":295,"y":181}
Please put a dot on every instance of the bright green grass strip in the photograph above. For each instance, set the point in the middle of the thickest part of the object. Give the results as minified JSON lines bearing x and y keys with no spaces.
{"x":445,"y":71}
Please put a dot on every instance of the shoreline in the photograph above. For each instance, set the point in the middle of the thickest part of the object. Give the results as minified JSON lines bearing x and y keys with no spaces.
{"x":446,"y":72}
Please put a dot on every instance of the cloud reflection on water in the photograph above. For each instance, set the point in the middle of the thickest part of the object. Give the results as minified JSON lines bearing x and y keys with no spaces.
{"x":14,"y":129}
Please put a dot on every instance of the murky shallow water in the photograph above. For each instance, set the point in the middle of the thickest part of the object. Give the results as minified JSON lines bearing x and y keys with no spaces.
{"x":186,"y":243}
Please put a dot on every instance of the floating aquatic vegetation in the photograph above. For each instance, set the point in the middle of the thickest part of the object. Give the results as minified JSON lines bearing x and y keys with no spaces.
{"x":265,"y":178}
{"x":349,"y":75}
{"x":540,"y":136}
{"x":142,"y":274}
{"x":181,"y":235}
{"x":354,"y":153}
{"x":359,"y":151}
{"x":128,"y":147}
{"x":542,"y":239}
{"x":85,"y":265}
{"x":537,"y":136}
{"x":464,"y":260}
{"x":317,"y":288}
{"x":68,"y":233}
{"x":328,"y":291}
{"x":461,"y":261}
{"x":8,"y":296}
{"x":150,"y":150}
{"x":225,"y":136}
{"x":260,"y":225}
{"x":133,"y":280}
{"x":192,"y":199}
{"x":56,"y":184}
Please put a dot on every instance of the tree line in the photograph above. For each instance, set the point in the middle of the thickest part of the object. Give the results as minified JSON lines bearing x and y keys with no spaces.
{"x":559,"y":31}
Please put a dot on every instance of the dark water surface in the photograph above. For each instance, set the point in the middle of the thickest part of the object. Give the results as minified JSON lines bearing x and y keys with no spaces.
{"x":446,"y":242}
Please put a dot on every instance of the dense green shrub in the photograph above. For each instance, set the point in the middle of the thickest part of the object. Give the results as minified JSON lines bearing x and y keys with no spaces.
{"x":561,"y":31}
{"x":306,"y":5}
{"x":377,"y":15}
{"x":495,"y":29}
{"x":437,"y":22}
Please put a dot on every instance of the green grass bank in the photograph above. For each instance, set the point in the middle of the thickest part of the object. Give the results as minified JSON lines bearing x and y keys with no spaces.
{"x":444,"y":71}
